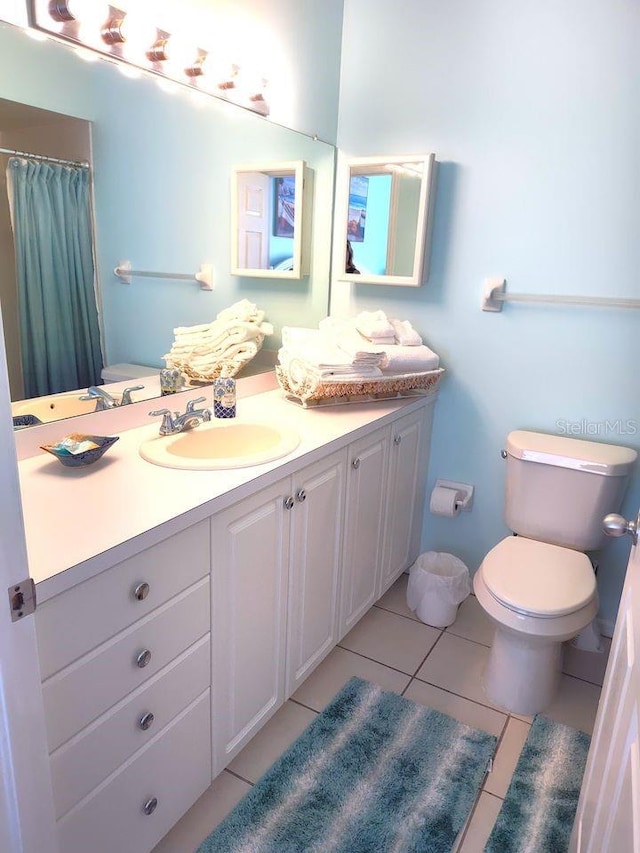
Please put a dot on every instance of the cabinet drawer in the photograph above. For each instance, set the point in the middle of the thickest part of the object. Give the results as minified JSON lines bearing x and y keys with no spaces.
{"x":175,"y":769}
{"x":71,"y":624}
{"x":83,"y":762}
{"x":77,"y":695}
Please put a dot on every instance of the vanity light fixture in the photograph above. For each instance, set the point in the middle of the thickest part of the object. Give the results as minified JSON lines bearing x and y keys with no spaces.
{"x":129,"y":37}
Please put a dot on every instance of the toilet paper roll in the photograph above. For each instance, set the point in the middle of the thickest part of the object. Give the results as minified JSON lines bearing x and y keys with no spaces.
{"x":445,"y":501}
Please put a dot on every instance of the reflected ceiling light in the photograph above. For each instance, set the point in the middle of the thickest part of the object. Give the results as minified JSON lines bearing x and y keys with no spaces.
{"x":133,"y":32}
{"x":83,"y":11}
{"x":116,"y":35}
{"x":182,"y":57}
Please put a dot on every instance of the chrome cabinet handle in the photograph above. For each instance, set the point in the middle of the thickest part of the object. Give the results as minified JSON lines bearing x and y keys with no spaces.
{"x":397,"y":440}
{"x":150,"y":806}
{"x":141,"y":591}
{"x":301,"y":495}
{"x":288,"y":502}
{"x":143,"y":658}
{"x":355,"y":463}
{"x":146,"y":721}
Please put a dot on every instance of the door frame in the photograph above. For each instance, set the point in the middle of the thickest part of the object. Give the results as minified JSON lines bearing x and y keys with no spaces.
{"x":27,"y":817}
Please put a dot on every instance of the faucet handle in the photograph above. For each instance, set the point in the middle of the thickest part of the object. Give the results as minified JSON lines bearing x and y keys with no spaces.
{"x":168,"y":424}
{"x":126,"y":394}
{"x":193,"y":403}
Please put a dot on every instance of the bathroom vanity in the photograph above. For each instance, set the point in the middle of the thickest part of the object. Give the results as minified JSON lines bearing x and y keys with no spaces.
{"x":178,"y":609}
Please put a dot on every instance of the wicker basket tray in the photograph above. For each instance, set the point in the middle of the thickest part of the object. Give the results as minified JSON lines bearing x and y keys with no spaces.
{"x":314,"y":392}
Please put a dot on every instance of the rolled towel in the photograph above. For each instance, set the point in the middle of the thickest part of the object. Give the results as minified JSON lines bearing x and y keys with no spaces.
{"x":374,"y":325}
{"x":406,"y":335}
{"x":409,"y":359}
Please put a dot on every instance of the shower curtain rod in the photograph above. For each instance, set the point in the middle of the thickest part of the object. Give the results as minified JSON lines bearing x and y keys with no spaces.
{"x":82,"y":164}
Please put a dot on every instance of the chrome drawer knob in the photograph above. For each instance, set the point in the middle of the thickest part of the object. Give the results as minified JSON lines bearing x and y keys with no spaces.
{"x":150,"y":806}
{"x":301,"y":495}
{"x":289,"y":502}
{"x":146,"y":721}
{"x":143,"y":658}
{"x":141,"y":591}
{"x":356,"y":463}
{"x":397,"y":440}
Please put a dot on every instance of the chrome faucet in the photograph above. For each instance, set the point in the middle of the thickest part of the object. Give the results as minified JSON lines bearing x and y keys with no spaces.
{"x":105,"y":401}
{"x":173,"y":422}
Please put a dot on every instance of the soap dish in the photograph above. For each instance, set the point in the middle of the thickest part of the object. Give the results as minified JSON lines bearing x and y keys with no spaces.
{"x":77,"y":450}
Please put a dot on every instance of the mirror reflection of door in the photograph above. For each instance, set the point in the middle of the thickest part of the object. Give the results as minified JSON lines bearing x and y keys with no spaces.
{"x":254,"y":203}
{"x":267,"y":219}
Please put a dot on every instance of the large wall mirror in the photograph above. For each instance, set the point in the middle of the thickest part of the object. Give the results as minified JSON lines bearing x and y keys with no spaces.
{"x":383,"y":209}
{"x":162,"y":162}
{"x":270,"y":211}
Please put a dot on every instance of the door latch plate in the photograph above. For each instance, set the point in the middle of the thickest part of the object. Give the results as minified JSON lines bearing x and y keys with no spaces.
{"x":22,"y":599}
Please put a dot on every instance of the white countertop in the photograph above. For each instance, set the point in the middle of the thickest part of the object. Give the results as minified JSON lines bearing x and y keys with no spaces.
{"x":80,"y":521}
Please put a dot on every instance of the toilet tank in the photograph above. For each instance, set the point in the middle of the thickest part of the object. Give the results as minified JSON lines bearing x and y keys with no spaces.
{"x":559,"y":489}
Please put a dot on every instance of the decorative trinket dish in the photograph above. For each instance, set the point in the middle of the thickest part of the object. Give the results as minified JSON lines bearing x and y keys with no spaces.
{"x":78,"y":450}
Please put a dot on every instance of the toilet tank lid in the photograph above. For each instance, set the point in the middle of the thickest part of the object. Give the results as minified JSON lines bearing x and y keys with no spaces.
{"x":609,"y":460}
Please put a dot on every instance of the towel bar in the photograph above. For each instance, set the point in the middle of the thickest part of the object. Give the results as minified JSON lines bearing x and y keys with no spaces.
{"x":204,"y":276}
{"x":494,"y":296}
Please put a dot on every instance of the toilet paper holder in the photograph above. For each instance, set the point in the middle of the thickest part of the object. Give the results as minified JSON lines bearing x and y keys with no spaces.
{"x":465,"y":493}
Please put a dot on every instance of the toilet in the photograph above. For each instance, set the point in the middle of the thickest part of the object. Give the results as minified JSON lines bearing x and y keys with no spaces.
{"x":538,"y":586}
{"x":125,"y":372}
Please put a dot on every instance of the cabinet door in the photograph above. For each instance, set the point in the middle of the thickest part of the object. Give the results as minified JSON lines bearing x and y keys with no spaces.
{"x":405,"y":493}
{"x":316,"y":539}
{"x":363,"y":532}
{"x":249,"y":587}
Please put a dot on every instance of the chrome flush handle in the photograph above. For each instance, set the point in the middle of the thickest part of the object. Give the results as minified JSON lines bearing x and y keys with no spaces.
{"x":616,"y":525}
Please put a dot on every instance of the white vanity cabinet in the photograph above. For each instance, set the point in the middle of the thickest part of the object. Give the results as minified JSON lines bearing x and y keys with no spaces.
{"x":157,"y":669}
{"x":125,"y":665}
{"x":364,"y":526}
{"x":404,"y":488}
{"x":315,"y":559}
{"x":386,"y":481}
{"x":276,"y":558}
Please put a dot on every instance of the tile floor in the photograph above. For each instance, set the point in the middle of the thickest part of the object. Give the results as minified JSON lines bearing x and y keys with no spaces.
{"x":442,"y":669}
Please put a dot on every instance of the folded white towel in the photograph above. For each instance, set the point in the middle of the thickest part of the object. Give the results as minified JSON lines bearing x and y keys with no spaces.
{"x":409,"y":359}
{"x":314,"y":347}
{"x":242,"y":310}
{"x":374,"y":325}
{"x":324,"y":370}
{"x":405,"y":334}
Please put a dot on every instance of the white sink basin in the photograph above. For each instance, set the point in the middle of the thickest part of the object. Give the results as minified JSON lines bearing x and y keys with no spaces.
{"x":221,"y":444}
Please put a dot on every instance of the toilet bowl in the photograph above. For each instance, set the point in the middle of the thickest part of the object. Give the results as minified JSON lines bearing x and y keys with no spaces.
{"x":538,"y":596}
{"x":538,"y":587}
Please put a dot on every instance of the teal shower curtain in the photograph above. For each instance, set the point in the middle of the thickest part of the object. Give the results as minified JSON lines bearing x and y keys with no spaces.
{"x":59,"y":331}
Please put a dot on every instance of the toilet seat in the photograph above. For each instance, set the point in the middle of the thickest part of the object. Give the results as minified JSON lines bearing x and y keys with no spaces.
{"x":538,"y":579}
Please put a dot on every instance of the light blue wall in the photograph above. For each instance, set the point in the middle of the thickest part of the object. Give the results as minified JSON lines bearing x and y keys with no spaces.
{"x":533,"y":112}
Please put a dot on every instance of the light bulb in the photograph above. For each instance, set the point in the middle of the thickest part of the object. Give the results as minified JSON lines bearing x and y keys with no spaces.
{"x":181,"y":54}
{"x":139,"y":35}
{"x":89,"y":15}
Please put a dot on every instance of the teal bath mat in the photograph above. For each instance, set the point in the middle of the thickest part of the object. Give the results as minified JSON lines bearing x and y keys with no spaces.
{"x":539,"y":809}
{"x":373,"y":773}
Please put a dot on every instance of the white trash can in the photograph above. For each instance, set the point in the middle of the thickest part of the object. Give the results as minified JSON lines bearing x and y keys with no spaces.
{"x":438,"y":583}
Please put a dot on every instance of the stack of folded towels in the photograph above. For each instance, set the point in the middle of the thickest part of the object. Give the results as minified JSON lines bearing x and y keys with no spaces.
{"x":366,"y":347}
{"x":221,"y":347}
